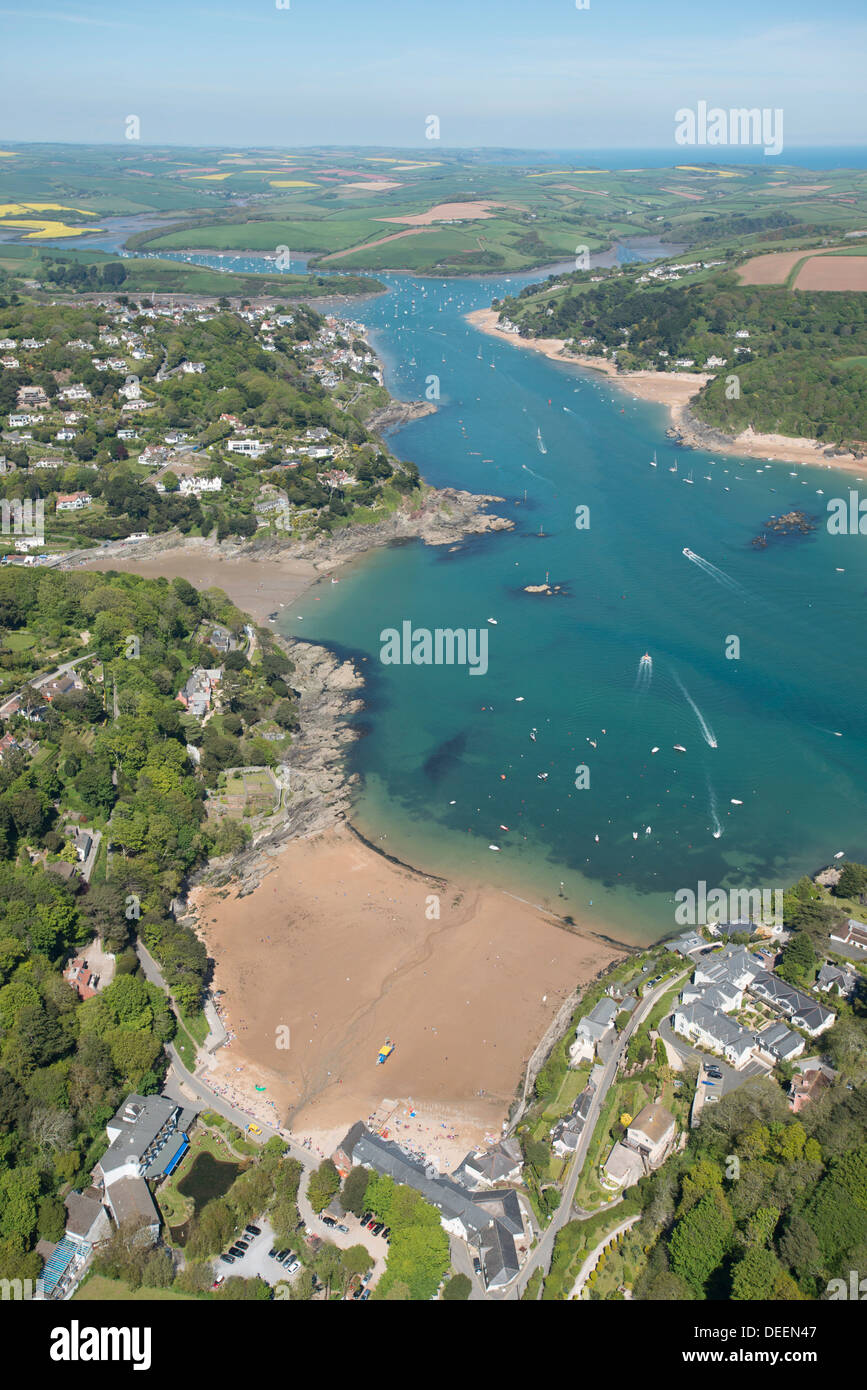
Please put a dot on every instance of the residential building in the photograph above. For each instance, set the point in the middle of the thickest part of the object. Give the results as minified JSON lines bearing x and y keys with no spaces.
{"x":596,"y":1026}
{"x":833,"y":980}
{"x":803,"y":1011}
{"x":709,"y":1029}
{"x":73,"y":501}
{"x":854,"y":933}
{"x":780,"y":1042}
{"x":652,"y":1133}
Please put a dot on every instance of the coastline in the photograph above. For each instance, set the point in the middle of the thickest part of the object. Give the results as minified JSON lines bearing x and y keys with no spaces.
{"x":676,"y":390}
{"x":464,"y":978}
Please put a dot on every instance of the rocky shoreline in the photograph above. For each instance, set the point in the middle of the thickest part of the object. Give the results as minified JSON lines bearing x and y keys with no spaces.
{"x":398,"y":413}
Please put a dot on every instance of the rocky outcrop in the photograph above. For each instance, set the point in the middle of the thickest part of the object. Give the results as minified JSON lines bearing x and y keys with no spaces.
{"x":398,"y":413}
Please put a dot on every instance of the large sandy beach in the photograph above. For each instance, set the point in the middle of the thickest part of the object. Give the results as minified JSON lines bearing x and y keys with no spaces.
{"x":345,"y":949}
{"x":676,"y":390}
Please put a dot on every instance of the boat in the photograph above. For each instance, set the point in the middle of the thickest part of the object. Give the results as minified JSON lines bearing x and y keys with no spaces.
{"x":647,"y":829}
{"x":385,"y":1052}
{"x":839,"y":854}
{"x":496,"y":847}
{"x":542,"y":776}
{"x":635,"y":834}
{"x":689,"y":478}
{"x":655,"y":750}
{"x":518,"y":699}
{"x":673,"y":468}
{"x":493,"y":620}
{"x":735,"y":802}
{"x":679,"y":748}
{"x":533,"y":735}
{"x":653,"y":460}
{"x":592,"y":742}
{"x":504,"y":827}
{"x":646,"y":659}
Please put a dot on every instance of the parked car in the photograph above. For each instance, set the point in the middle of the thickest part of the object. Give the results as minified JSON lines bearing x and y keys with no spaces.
{"x":252,"y":1231}
{"x":365,"y":1217}
{"x":242,"y":1244}
{"x":328,"y":1221}
{"x":227,"y":1259}
{"x":477,"y":1266}
{"x":386,"y":1233}
{"x":293,"y":1266}
{"x":371,"y":1223}
{"x":356,"y":1294}
{"x":365,"y":1278}
{"x":378,"y":1229}
{"x":272,"y":1253}
{"x":365,"y":1296}
{"x":344,"y":1230}
{"x":287,"y":1257}
{"x":237,"y":1250}
{"x":220,"y":1279}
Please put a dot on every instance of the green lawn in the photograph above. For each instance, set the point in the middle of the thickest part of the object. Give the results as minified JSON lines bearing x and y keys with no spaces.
{"x":99,"y":1289}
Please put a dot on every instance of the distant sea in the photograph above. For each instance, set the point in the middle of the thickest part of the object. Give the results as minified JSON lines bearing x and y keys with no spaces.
{"x":803,"y":156}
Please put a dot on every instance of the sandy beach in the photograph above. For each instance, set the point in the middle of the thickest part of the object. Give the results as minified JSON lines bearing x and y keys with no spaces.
{"x":256,"y":585}
{"x":676,"y":390}
{"x":344,"y":949}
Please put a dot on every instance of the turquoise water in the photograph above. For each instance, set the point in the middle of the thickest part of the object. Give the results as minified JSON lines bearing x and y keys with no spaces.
{"x":446,"y":757}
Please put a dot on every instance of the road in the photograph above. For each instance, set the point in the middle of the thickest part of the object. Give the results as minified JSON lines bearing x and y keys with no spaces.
{"x":541,"y":1256}
{"x":590,"y":1263}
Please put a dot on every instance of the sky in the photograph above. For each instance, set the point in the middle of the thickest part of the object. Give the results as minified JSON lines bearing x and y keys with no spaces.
{"x":530,"y":74}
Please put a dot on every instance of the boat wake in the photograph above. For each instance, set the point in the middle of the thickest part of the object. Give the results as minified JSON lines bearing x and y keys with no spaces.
{"x":714,"y":811}
{"x":719,"y":575}
{"x":533,"y":474}
{"x":707,"y":732}
{"x":540,"y":441}
{"x":644,"y":674}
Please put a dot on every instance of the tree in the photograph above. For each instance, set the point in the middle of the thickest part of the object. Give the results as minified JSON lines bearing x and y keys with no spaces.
{"x":799,"y":963}
{"x":354,"y":1190}
{"x":458,"y":1289}
{"x":699,"y":1241}
{"x":322,"y":1185}
{"x":852,"y":882}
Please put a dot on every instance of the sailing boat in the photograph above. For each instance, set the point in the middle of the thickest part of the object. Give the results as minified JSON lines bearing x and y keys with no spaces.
{"x":673,"y":468}
{"x":653,"y":460}
{"x":689,"y":478}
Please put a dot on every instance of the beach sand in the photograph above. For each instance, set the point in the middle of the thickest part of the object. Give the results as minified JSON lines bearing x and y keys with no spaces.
{"x":340,"y":946}
{"x":256,"y":586}
{"x":676,"y":390}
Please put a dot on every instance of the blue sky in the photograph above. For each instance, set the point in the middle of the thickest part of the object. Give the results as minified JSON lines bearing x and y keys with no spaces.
{"x":524,"y":73}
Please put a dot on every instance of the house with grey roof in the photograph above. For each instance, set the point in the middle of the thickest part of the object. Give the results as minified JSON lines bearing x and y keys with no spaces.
{"x":464,"y":1212}
{"x":780,"y":1042}
{"x":714,"y":1031}
{"x":567,"y":1132}
{"x":148,"y":1140}
{"x":833,"y":980}
{"x":595,"y":1027}
{"x":502,"y":1163}
{"x":498,"y":1256}
{"x":800,"y":1008}
{"x":689,"y":944}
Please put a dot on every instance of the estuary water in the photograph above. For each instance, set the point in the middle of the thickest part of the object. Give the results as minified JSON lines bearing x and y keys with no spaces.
{"x":755,"y":655}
